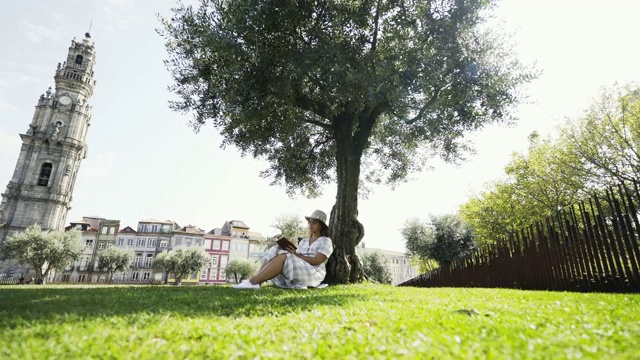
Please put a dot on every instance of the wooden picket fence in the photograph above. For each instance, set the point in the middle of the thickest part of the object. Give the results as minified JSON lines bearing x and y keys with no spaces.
{"x":593,"y":246}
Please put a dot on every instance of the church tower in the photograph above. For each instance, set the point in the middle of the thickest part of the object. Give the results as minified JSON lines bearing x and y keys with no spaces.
{"x":53,"y":147}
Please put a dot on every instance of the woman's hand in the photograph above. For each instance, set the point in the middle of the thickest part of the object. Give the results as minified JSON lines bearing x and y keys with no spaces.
{"x":291,"y":249}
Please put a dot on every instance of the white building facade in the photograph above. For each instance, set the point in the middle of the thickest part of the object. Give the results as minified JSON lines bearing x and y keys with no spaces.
{"x":398,"y":262}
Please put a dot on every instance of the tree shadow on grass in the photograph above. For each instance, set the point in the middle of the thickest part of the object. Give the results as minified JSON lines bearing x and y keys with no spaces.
{"x":51,"y":304}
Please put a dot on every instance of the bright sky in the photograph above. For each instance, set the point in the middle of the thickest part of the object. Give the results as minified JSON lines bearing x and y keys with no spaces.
{"x":144,"y":162}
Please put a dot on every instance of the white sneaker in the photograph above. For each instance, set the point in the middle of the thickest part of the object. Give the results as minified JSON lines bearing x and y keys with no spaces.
{"x":246,"y":285}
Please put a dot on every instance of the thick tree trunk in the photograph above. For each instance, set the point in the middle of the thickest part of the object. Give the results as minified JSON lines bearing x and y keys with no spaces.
{"x":344,"y":266}
{"x":40,"y":274}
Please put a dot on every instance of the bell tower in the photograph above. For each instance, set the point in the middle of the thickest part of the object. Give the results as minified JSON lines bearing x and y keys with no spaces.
{"x":53,"y":147}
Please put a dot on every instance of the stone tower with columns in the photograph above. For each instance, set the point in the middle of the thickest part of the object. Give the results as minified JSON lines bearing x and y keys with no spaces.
{"x":54,"y":145}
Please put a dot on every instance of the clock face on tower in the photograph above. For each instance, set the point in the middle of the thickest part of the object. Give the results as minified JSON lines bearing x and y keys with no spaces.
{"x":64,"y":100}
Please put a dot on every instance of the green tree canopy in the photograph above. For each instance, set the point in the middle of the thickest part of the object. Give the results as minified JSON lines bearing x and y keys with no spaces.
{"x":182,"y":261}
{"x":416,"y":234}
{"x":376,"y":266}
{"x":44,"y":250}
{"x":318,"y":88}
{"x":606,"y":139}
{"x":114,"y":259}
{"x":445,"y":239}
{"x":424,"y":265}
{"x":593,"y":151}
{"x":538,"y":183}
{"x":494,"y":213}
{"x":291,"y":227}
{"x":240,"y":269}
{"x":542,"y":178}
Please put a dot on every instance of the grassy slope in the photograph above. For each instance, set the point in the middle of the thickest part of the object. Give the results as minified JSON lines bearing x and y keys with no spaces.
{"x":361,"y":321}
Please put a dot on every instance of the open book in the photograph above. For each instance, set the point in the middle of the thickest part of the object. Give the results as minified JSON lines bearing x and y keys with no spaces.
{"x":285,"y":243}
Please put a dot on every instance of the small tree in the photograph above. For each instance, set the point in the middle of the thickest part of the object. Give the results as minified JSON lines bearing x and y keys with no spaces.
{"x":114,"y":259}
{"x":376,"y":267}
{"x":444,"y":240}
{"x":416,"y":235}
{"x":44,"y":250}
{"x":182,"y":261}
{"x":291,"y":227}
{"x":240,"y":269}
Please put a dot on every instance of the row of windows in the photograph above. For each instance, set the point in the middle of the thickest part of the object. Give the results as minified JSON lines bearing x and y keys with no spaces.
{"x":217,"y":245}
{"x":188,"y":241}
{"x":241,"y":247}
{"x":106,"y":230}
{"x":213,"y":274}
{"x":146,"y":275}
{"x":218,"y":261}
{"x":154,"y":228}
{"x":151,"y":243}
{"x":83,"y":277}
{"x":137,"y":261}
{"x":82,"y":264}
{"x":214,"y":261}
{"x":148,"y":261}
{"x":142,"y":242}
{"x":135,"y":275}
{"x":110,"y":230}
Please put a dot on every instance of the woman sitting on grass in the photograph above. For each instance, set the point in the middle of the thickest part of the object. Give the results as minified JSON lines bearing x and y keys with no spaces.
{"x":297,"y":268}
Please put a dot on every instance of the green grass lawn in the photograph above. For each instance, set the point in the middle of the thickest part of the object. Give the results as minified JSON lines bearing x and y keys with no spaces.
{"x":353,"y":322}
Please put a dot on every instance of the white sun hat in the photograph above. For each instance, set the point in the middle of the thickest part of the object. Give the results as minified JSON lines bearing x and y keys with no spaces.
{"x":318,"y":215}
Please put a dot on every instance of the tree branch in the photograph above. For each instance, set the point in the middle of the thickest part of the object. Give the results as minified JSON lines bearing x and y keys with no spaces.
{"x":424,"y":108}
{"x":316,"y":110}
{"x":374,"y":41}
{"x":366,"y":122}
{"x":317,"y":123}
{"x":318,"y":144}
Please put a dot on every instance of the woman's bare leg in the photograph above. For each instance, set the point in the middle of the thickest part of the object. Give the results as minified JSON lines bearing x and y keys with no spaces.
{"x":270,"y":270}
{"x":264,"y":263}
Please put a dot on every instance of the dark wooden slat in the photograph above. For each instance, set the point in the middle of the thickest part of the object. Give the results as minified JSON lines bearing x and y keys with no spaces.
{"x":615,"y":268}
{"x":629,"y":236}
{"x":616,"y":240}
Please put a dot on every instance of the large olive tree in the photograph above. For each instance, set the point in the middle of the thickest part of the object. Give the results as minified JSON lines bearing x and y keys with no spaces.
{"x":44,"y":250}
{"x":320,"y":88}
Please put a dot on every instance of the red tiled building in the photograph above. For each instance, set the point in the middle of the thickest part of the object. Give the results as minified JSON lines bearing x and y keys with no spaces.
{"x":217,"y":247}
